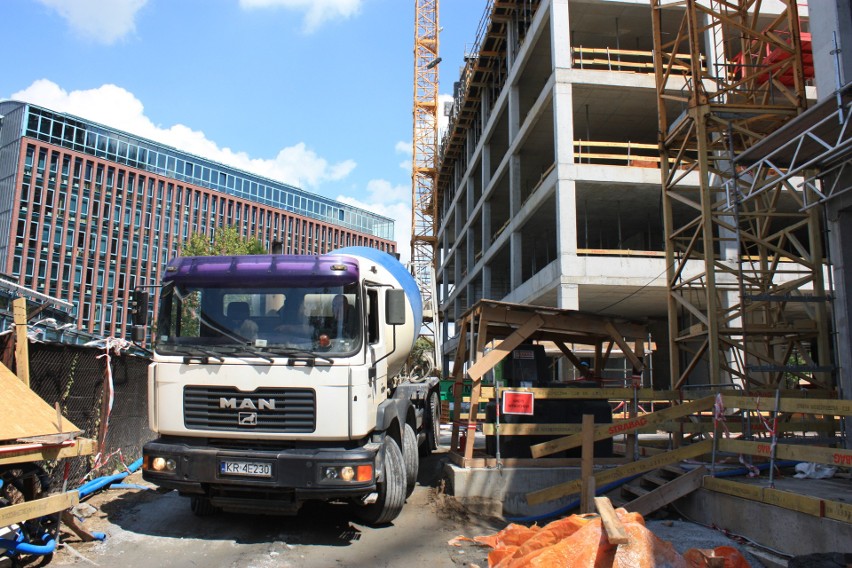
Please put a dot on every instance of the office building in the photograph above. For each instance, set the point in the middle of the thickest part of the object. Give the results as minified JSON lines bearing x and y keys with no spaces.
{"x":88,"y":213}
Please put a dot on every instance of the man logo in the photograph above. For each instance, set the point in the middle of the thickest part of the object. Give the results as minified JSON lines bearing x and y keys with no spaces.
{"x":248,"y":419}
{"x":247,"y":404}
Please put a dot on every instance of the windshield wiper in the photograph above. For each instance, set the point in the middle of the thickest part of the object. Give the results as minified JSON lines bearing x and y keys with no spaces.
{"x":245,"y":350}
{"x":190,"y":351}
{"x":296,"y":352}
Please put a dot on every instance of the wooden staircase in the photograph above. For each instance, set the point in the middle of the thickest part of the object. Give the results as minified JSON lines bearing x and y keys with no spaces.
{"x":656,"y":489}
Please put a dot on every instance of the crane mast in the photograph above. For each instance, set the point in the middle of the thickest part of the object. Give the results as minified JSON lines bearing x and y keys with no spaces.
{"x":424,"y":168}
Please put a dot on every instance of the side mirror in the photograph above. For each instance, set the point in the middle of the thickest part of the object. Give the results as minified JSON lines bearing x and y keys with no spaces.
{"x":394,"y":307}
{"x":137,"y":333}
{"x":139,"y":307}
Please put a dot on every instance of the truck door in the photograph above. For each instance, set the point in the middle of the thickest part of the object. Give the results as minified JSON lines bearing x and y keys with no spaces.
{"x":375,"y":340}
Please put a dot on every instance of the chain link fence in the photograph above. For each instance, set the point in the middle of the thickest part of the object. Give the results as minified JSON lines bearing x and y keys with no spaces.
{"x":77,"y":378}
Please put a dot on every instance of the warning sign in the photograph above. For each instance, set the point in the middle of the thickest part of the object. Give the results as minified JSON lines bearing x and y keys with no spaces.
{"x":518,"y":403}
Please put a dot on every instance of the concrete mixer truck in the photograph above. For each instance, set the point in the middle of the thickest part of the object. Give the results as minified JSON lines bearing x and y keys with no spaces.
{"x":278,"y":379}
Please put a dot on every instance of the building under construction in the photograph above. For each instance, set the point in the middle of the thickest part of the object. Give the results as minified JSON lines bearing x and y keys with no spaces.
{"x":655,"y":163}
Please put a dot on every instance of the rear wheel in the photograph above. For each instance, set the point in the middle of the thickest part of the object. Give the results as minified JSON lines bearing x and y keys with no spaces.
{"x":411,"y":457}
{"x":431,"y":424}
{"x":391,"y":489}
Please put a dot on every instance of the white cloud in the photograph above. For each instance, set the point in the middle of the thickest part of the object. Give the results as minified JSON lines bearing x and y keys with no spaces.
{"x":382,"y":191}
{"x":405,"y":149}
{"x":103,"y":22}
{"x":317,"y":12}
{"x":118,"y":108}
{"x":400,"y":212}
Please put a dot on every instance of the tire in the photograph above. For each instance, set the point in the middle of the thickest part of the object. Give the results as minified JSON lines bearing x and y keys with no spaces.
{"x":431,"y":424}
{"x":411,"y":458}
{"x":201,"y":506}
{"x":391,"y":489}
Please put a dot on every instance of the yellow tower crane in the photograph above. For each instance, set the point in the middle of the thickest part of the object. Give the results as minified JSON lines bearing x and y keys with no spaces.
{"x":424,"y":171}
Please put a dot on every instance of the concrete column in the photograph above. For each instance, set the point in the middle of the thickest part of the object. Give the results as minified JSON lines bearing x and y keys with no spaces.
{"x":511,"y":44}
{"x":561,"y":34}
{"x":834,"y":20}
{"x":516,"y":252}
{"x":839,"y":220}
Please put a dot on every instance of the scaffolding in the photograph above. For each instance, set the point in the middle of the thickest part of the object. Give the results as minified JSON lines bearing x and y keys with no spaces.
{"x":423,"y":172}
{"x":745,"y":269}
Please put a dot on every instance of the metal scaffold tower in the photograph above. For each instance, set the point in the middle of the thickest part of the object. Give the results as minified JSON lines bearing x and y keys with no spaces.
{"x":424,"y":215}
{"x":746,"y":296}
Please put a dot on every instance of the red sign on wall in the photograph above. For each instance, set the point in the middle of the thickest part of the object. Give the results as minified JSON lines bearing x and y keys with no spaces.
{"x":518,"y":403}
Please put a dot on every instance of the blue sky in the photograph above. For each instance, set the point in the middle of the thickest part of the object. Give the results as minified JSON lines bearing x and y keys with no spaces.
{"x":316,"y":93}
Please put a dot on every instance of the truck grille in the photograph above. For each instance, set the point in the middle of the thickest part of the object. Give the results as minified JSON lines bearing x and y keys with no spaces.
{"x":263,"y":410}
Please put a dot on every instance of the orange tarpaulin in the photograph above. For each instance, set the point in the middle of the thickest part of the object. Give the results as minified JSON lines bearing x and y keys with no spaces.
{"x":580,"y":541}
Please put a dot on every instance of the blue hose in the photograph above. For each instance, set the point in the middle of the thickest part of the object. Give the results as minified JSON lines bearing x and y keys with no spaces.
{"x":573,"y":504}
{"x":101,"y":482}
{"x":18,"y":546}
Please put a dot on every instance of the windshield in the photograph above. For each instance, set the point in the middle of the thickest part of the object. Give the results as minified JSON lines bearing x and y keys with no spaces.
{"x":267,"y":321}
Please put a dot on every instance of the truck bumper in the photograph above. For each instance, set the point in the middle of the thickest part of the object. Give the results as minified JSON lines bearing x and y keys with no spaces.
{"x":292,"y":476}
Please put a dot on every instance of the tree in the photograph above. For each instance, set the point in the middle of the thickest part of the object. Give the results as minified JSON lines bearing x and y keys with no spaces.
{"x":226,"y":241}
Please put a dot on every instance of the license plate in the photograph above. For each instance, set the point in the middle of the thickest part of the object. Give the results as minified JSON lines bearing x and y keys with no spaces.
{"x":254,"y":469}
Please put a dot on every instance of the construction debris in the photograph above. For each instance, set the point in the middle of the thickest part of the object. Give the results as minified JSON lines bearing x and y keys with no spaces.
{"x":584,"y":541}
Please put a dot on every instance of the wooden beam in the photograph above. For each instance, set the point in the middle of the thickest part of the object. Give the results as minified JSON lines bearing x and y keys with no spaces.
{"x":814,"y":506}
{"x":815,"y":454}
{"x":668,"y":493}
{"x":37,"y":508}
{"x":615,"y":531}
{"x":625,"y":348}
{"x":802,"y":405}
{"x":37,"y":452}
{"x":22,"y":344}
{"x":505,"y":347}
{"x":587,"y":466}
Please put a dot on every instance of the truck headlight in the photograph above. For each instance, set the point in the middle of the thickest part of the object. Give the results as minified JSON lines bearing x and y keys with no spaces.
{"x":160,"y":464}
{"x":348,"y":473}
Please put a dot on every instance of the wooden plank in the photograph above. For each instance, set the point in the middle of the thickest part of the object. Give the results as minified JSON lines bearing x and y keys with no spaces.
{"x":645,"y":395}
{"x":615,"y":532}
{"x":816,"y":454}
{"x":838,"y":511}
{"x":605,"y":431}
{"x":501,"y":350}
{"x":728,"y":487}
{"x":644,"y":451}
{"x":625,"y":348}
{"x":481,"y":460}
{"x":610,"y":475}
{"x":587,"y":465}
{"x":37,"y":508}
{"x":22,"y":344}
{"x":37,"y":452}
{"x":707,"y":426}
{"x":801,"y":405}
{"x":805,"y":504}
{"x":532,"y":429}
{"x":24,"y":414}
{"x":668,"y":493}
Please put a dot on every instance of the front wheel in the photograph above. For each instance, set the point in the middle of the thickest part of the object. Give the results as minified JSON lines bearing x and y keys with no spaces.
{"x":201,"y":506}
{"x":391,"y":489}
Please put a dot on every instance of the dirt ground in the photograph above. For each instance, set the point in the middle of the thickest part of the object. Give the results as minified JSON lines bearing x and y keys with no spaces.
{"x":152,"y":528}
